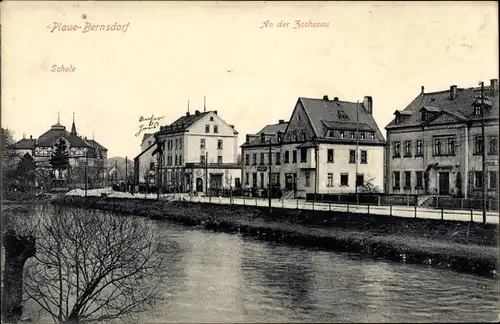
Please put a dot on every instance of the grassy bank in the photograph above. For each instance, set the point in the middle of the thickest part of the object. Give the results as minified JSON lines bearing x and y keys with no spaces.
{"x":461,"y":246}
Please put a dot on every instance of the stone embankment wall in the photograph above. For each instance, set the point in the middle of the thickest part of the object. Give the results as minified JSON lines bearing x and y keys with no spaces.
{"x":464,"y":246}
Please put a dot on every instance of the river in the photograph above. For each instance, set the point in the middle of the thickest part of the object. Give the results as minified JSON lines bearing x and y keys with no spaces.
{"x":218,"y":277}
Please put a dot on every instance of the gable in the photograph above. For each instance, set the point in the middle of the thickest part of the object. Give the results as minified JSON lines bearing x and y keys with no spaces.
{"x":211,"y":119}
{"x":443,"y":118}
{"x":299,"y":122}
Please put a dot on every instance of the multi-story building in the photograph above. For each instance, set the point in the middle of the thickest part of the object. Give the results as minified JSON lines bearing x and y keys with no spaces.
{"x":435,"y":144}
{"x":81,"y":151}
{"x":196,"y":150}
{"x":146,"y":159}
{"x":327,"y":147}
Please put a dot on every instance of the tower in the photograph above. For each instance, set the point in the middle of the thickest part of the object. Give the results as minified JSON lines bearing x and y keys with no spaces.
{"x":73,"y":126}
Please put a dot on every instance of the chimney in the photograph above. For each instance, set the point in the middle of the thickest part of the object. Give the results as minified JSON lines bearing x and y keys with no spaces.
{"x":187,"y":114}
{"x":453,"y":92}
{"x":325,"y":97}
{"x":232,"y":126}
{"x":368,"y":104}
{"x":281,"y":121}
{"x":247,"y":139}
{"x":215,"y":112}
{"x":196,"y":112}
{"x":336,"y":99}
{"x":31,"y":136}
{"x":494,"y":87}
{"x":422,"y":91}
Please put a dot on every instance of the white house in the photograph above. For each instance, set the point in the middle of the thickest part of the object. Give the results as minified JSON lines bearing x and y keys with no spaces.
{"x":197,"y":149}
{"x":326,"y":148}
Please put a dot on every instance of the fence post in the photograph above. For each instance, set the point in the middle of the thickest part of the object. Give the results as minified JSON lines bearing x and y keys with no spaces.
{"x":368,"y":209}
{"x":244,"y":204}
{"x":256,"y":204}
{"x":390,"y":210}
{"x":415,"y":210}
{"x":282,"y":203}
{"x":210,"y":199}
{"x":378,"y":200}
{"x":461,"y":203}
{"x":313,"y":205}
{"x":471,"y":215}
{"x":329,"y":206}
{"x":297,"y":203}
{"x":442,"y":214}
{"x":348,"y":207}
{"x":190,"y":198}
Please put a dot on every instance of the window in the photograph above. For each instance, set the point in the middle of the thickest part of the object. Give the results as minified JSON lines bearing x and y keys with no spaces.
{"x":294,"y":136}
{"x":216,"y":129}
{"x":262,"y":138}
{"x":278,"y":158}
{"x":352,"y":156}
{"x":247,"y":175}
{"x":330,"y":155}
{"x":247,"y":159}
{"x":308,"y":179}
{"x":360,"y":180}
{"x":407,"y":179}
{"x":493,"y":177}
{"x":262,"y":180}
{"x":287,"y":156}
{"x":180,"y":143}
{"x":372,"y":135}
{"x":294,"y":156}
{"x":237,"y":182}
{"x":152,"y":165}
{"x":477,"y":111}
{"x":176,"y":159}
{"x":437,"y":146}
{"x":344,"y":179}
{"x":362,"y":135}
{"x":342,"y":115}
{"x":176,"y":143}
{"x":331,"y":133}
{"x":219,"y":144}
{"x":254,"y":156}
{"x":219,"y":159}
{"x":303,"y":155}
{"x":420,"y":179}
{"x":419,"y":148}
{"x":261,"y":158}
{"x":424,"y":115}
{"x":202,"y":143}
{"x":280,"y":136}
{"x":254,"y":179}
{"x":407,"y":148}
{"x":211,"y":118}
{"x":479,"y":145}
{"x":207,"y":128}
{"x":478,"y":179}
{"x":180,"y":159}
{"x":396,"y":180}
{"x":303,"y":135}
{"x":397,"y":149}
{"x":341,"y":134}
{"x":329,"y":180}
{"x":451,"y":146}
{"x":149,"y":143}
{"x":351,"y":134}
{"x":398,"y":118}
{"x":493,"y":145}
{"x":202,"y":159}
{"x":364,"y":157}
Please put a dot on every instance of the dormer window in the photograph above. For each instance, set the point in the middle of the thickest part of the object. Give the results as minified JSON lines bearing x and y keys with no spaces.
{"x":330,"y":133}
{"x":341,"y":134}
{"x":398,"y":118}
{"x":477,"y":111}
{"x":279,"y":136}
{"x":342,"y":115}
{"x":303,"y":135}
{"x":294,"y":135}
{"x":423,"y":115}
{"x":262,"y":138}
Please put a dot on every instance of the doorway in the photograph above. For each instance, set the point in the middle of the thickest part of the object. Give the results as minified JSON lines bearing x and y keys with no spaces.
{"x":199,"y":185}
{"x":444,"y":183}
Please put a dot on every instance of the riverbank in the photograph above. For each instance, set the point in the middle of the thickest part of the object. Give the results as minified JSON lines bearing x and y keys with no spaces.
{"x":463,"y":246}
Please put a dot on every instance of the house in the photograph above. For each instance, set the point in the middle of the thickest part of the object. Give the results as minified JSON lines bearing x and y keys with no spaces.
{"x":147,"y":160}
{"x":435,"y":144}
{"x":81,"y":151}
{"x":195,"y":150}
{"x":327,"y":147}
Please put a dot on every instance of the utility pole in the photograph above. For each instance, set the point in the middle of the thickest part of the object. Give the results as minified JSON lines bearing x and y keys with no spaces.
{"x":158,"y":181}
{"x":86,"y":165}
{"x":356,"y":155}
{"x":269,"y":175}
{"x":116,"y":172}
{"x":316,"y":148}
{"x":206,"y":173}
{"x":126,"y":174}
{"x":485,"y":187}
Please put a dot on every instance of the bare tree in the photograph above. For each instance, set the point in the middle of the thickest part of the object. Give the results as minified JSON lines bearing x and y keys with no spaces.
{"x":369,"y":187}
{"x":93,"y":266}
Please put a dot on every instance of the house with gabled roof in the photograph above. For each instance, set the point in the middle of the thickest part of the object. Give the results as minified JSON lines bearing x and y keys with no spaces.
{"x":80,"y":150}
{"x":435,"y":144}
{"x":327,"y":147}
{"x":197,"y":152}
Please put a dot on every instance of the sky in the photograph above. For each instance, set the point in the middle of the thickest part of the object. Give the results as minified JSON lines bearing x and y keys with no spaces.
{"x":172,"y":52}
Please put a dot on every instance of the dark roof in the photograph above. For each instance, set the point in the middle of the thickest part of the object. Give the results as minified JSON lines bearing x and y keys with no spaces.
{"x":270,"y":131}
{"x":96,"y":145}
{"x":341,"y":125}
{"x":323,"y":113}
{"x":183,"y":123}
{"x":146,"y":136}
{"x":440,"y":101}
{"x":24,"y":144}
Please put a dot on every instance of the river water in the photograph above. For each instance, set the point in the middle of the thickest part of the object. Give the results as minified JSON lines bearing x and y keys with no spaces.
{"x":218,"y":277}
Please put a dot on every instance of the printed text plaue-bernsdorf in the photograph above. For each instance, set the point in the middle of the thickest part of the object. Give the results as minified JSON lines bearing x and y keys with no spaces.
{"x":88,"y":27}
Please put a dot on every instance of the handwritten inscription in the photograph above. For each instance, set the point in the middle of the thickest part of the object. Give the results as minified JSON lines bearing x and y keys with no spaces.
{"x":88,"y":27}
{"x":295,"y":25}
{"x":148,"y":123}
{"x":63,"y":68}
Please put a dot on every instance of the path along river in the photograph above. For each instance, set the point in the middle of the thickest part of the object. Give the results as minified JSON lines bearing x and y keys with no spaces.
{"x":218,"y":277}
